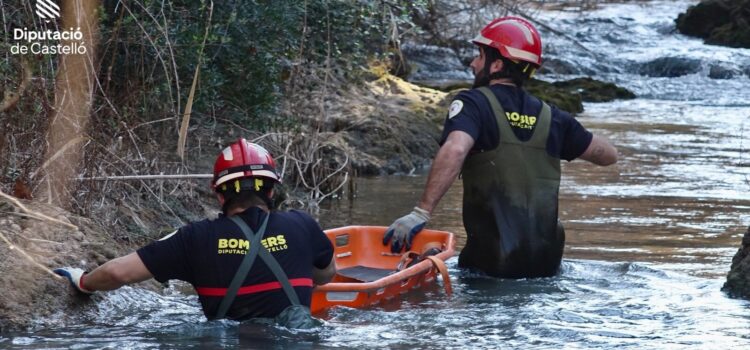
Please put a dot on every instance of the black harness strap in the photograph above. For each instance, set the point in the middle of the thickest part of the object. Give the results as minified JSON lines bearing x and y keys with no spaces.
{"x":247,"y":263}
{"x":255,"y":251}
{"x":272,"y":264}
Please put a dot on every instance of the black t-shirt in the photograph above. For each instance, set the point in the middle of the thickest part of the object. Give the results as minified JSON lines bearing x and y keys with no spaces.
{"x":470,"y":112}
{"x":208,"y":253}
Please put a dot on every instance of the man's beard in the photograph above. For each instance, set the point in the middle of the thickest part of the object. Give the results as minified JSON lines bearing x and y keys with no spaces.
{"x":481,"y":78}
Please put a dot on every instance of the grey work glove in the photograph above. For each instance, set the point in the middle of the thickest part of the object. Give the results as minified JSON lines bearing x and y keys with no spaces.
{"x":405,"y":228}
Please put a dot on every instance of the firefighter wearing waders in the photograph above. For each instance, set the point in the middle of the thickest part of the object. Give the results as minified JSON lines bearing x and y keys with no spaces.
{"x":252,"y":262}
{"x":507,"y":144}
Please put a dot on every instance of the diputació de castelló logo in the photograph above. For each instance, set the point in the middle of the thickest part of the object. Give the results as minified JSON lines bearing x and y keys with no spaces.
{"x":47,"y":10}
{"x":47,"y":41}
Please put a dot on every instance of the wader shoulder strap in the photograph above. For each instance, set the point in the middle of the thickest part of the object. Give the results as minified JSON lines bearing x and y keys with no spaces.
{"x":538,"y":139}
{"x":502,"y":121}
{"x":543,"y":122}
{"x":247,"y":263}
{"x":273,"y":265}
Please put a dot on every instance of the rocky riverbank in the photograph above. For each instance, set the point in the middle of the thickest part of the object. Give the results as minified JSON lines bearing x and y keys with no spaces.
{"x":719,"y":22}
{"x":725,"y":23}
{"x":738,"y":279}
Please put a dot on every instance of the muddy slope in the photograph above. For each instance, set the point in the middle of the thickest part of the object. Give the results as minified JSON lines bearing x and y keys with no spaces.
{"x":30,"y":293}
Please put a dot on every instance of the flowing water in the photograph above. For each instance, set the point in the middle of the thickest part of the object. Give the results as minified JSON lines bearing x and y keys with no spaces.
{"x":649,"y":240}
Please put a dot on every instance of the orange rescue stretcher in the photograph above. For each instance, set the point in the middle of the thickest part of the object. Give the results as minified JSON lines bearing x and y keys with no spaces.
{"x":368,"y":273}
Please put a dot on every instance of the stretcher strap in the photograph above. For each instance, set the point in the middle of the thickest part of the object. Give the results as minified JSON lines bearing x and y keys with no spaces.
{"x":440,"y":266}
{"x":407,"y":259}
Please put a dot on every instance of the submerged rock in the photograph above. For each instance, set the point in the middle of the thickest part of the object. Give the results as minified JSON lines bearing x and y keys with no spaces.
{"x":719,"y":22}
{"x":562,"y":98}
{"x":738,"y":279}
{"x":721,"y":72}
{"x":569,"y":95}
{"x":595,"y":91}
{"x":670,"y":67}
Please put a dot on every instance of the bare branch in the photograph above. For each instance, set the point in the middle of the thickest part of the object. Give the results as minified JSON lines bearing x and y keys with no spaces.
{"x":34,"y":214}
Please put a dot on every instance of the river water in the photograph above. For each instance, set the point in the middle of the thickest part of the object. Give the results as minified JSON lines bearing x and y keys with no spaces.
{"x":649,"y":240}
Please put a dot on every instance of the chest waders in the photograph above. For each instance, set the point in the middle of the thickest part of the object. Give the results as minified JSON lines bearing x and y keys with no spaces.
{"x":510,"y":203}
{"x":294,"y":316}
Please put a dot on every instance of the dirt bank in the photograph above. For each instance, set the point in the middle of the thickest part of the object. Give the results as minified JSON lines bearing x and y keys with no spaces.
{"x":396,"y":128}
{"x":30,"y":246}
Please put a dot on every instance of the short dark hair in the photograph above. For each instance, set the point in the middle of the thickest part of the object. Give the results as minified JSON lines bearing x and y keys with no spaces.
{"x":247,"y":196}
{"x":518,"y":72}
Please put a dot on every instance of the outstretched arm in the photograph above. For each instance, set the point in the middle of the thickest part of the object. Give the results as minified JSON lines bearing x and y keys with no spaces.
{"x":117,"y":273}
{"x":445,"y":168}
{"x":600,"y":152}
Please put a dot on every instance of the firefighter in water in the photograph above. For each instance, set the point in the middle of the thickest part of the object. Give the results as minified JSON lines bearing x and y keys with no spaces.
{"x":507,"y":144}
{"x":251,"y":262}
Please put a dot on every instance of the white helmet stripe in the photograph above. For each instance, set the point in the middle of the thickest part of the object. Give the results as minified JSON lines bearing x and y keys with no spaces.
{"x":482,"y":40}
{"x":512,"y":51}
{"x":228,"y":177}
{"x":228,"y":156}
{"x":232,"y":176}
{"x":524,"y":55}
{"x":266,"y":173}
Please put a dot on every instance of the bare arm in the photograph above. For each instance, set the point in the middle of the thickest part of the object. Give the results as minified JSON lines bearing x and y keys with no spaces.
{"x":445,"y":168}
{"x":600,"y":152}
{"x":117,"y":273}
{"x":323,"y":276}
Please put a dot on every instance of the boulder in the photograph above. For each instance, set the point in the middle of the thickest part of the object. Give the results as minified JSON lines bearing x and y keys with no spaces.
{"x":738,"y":279}
{"x":595,"y":91}
{"x":568,"y":101}
{"x":670,"y":67}
{"x":721,"y":72}
{"x":700,"y":20}
{"x":570,"y":94}
{"x":719,"y":22}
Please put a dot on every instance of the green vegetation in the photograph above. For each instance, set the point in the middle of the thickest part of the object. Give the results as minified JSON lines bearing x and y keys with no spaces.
{"x":253,"y":50}
{"x":264,"y":68}
{"x":253,"y":56}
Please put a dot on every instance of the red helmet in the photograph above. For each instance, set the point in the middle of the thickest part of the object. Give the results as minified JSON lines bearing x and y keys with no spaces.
{"x":515,"y":38}
{"x":244,"y":159}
